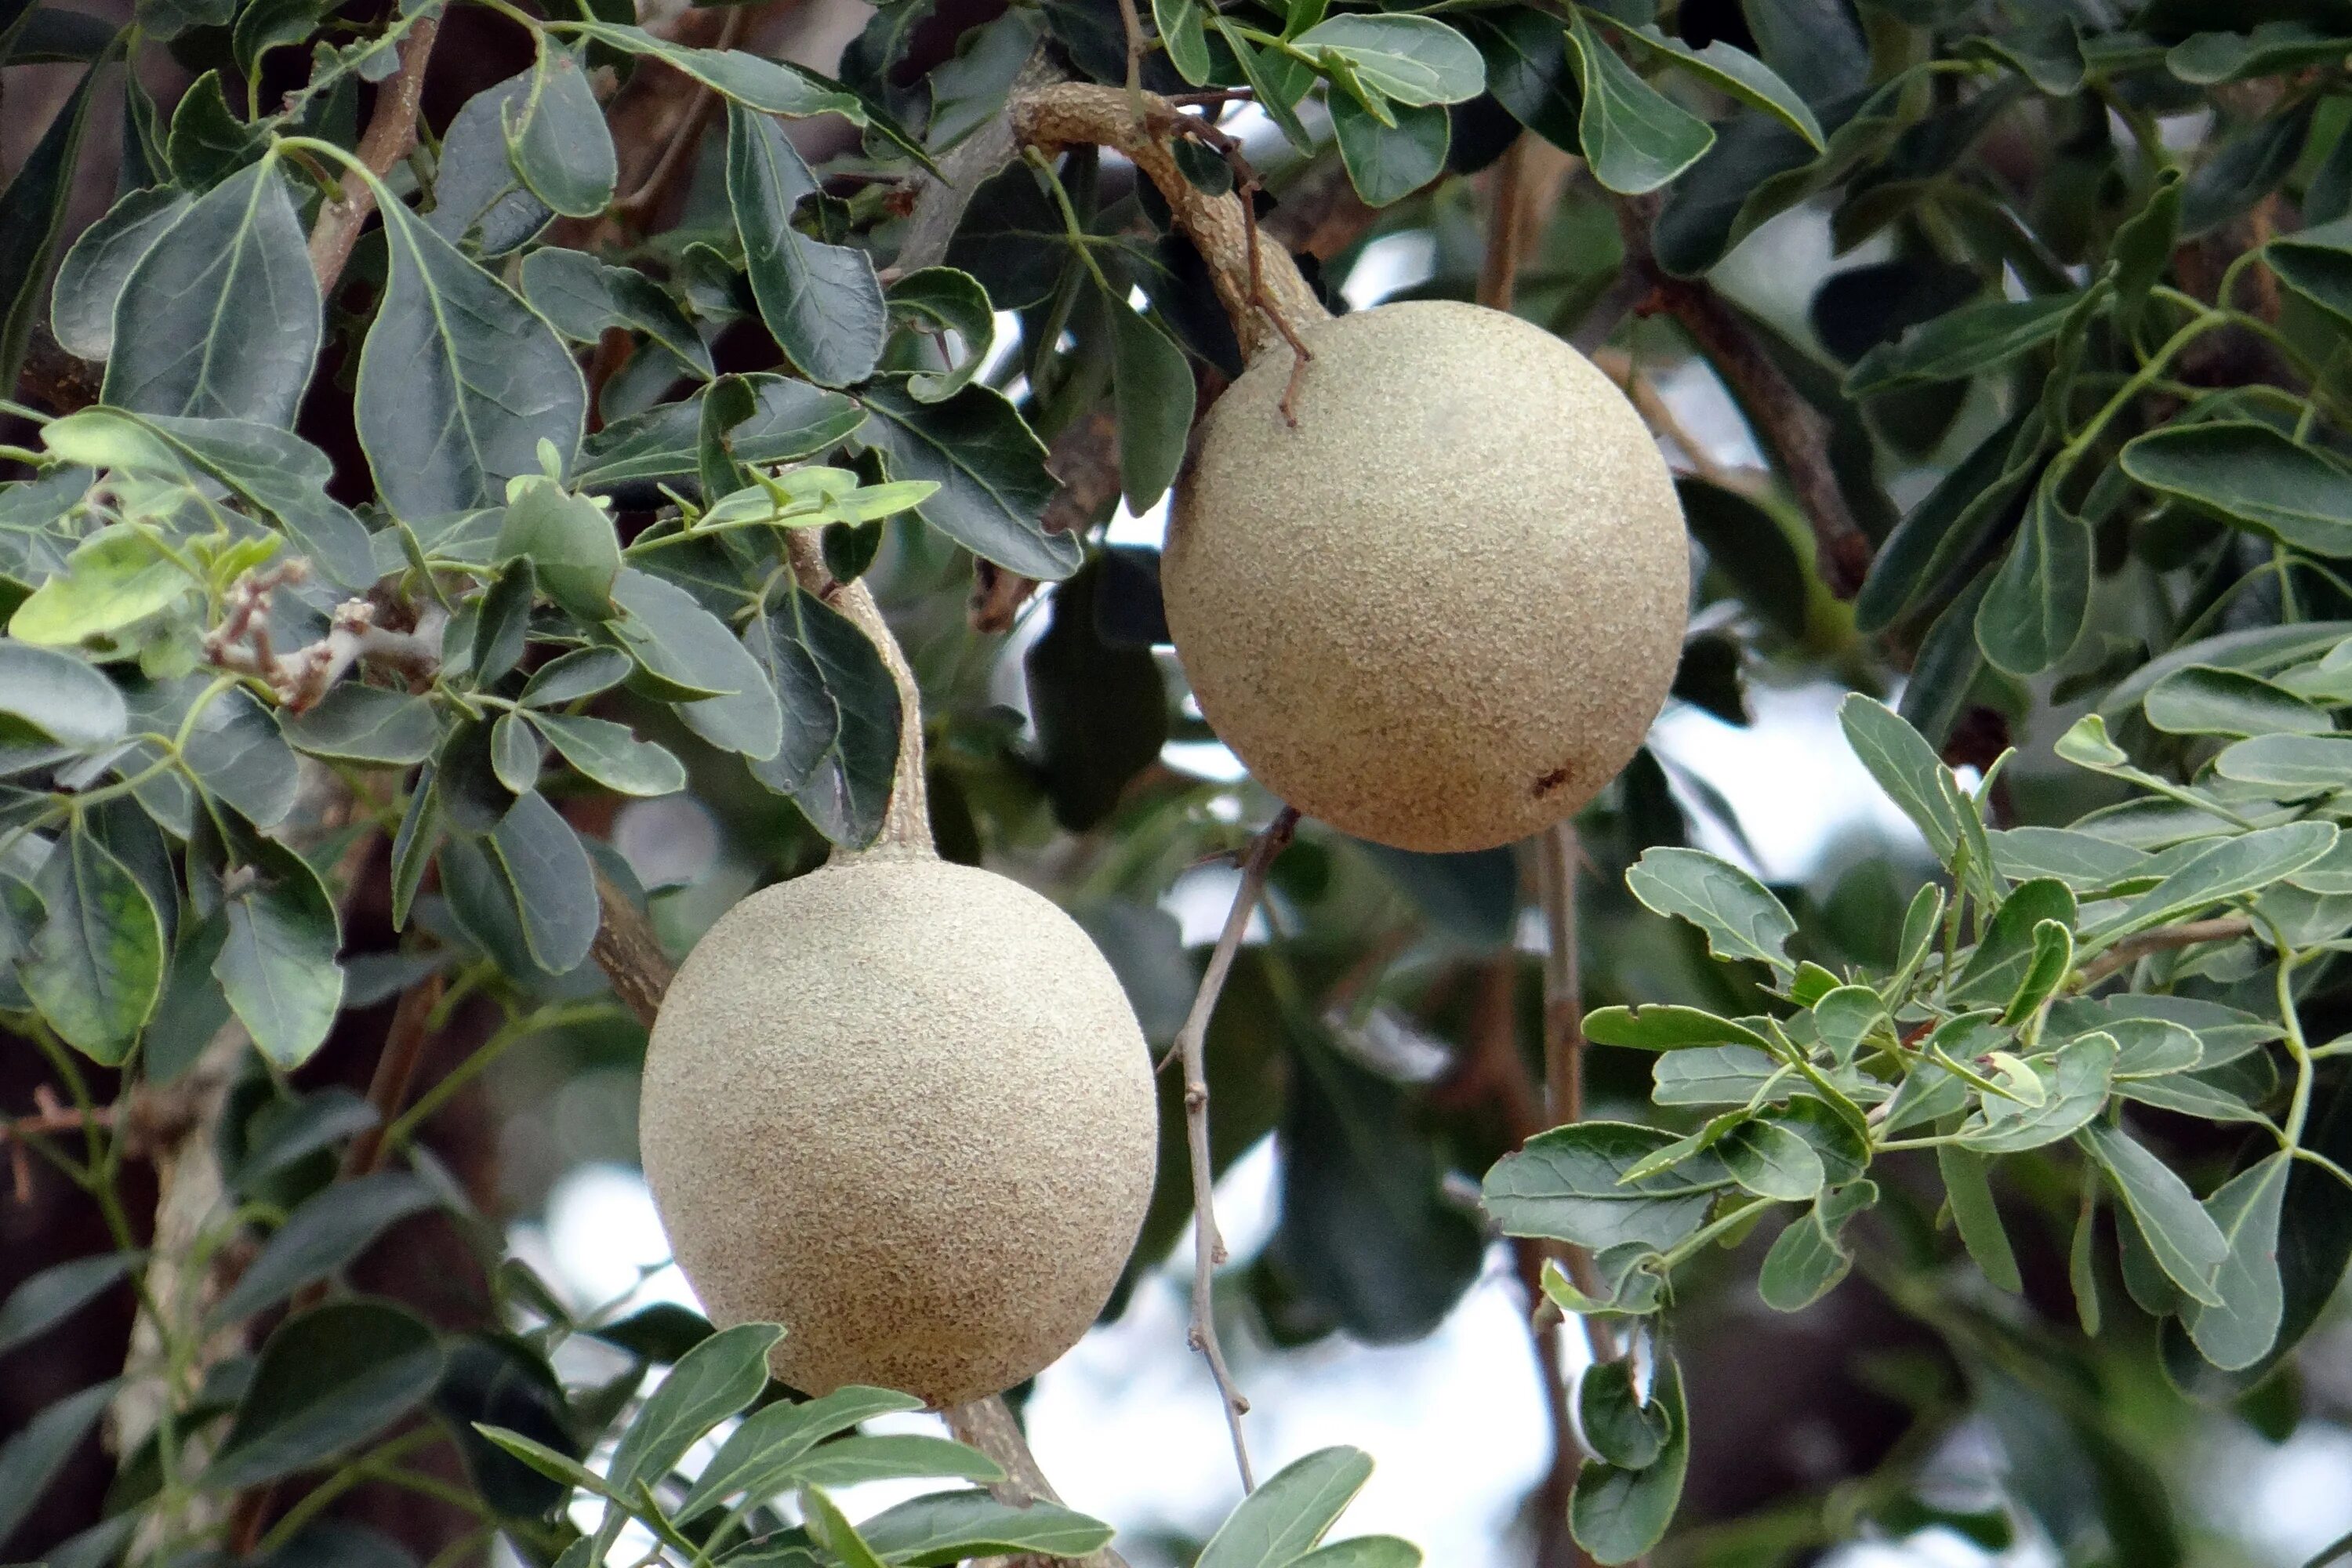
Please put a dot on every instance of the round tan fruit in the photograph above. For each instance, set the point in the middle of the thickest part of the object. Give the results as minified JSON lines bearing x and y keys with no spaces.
{"x":903,"y":1109}
{"x":1442,"y":611}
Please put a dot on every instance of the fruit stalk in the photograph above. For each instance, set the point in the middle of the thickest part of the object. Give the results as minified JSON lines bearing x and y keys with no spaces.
{"x":906,"y":826}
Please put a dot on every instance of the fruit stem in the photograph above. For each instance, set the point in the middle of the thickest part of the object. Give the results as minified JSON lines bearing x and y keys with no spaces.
{"x":1262,"y":290}
{"x":906,"y":823}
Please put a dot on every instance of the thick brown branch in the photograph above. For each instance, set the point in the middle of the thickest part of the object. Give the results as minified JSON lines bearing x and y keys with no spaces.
{"x":1790,"y":429}
{"x":391,"y":135}
{"x":1191,"y":1049}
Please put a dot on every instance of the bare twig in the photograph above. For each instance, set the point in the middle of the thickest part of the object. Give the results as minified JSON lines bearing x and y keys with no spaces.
{"x":1191,"y":1043}
{"x":395,"y":1069}
{"x":2132,"y":949}
{"x":391,"y":135}
{"x":241,"y":642}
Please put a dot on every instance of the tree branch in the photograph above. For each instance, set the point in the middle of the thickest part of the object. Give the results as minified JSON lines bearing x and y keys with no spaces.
{"x":391,"y":135}
{"x":1192,"y":1049}
{"x":2132,"y":949}
{"x":1790,"y":428}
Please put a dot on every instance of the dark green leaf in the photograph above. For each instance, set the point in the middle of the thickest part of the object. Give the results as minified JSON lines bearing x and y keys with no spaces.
{"x":33,"y":1456}
{"x":1101,"y":712}
{"x":474,"y":189}
{"x":2186,"y":1243}
{"x":1906,"y":767}
{"x":946,"y":1528}
{"x":1739,"y":915}
{"x":2244,"y":169}
{"x":277,"y":965}
{"x":1568,"y":1185}
{"x":1617,"y":1514}
{"x":758,"y":1458}
{"x":744,"y":79}
{"x":1662,"y":1026}
{"x":1153,"y":385}
{"x":322,"y":1235}
{"x":1968,"y":1192}
{"x":2006,"y":950}
{"x":327,"y":1379}
{"x":1809,"y":1257}
{"x":609,"y":756}
{"x":95,"y":967}
{"x":711,"y":1382}
{"x":989,"y":468}
{"x":841,"y":735}
{"x":32,"y":215}
{"x":237,"y":754}
{"x":60,"y":696}
{"x":47,"y":1298}
{"x":950,"y":302}
{"x":2198,"y":699}
{"x":1748,"y":545}
{"x":459,"y":381}
{"x":2240,"y":1331}
{"x":1527,"y":70}
{"x":1968,"y":340}
{"x":553,"y":881}
{"x":220,"y":319}
{"x":2034,"y":609}
{"x":583,"y":673}
{"x":2251,"y":475}
{"x":582,"y":297}
{"x":1185,"y":36}
{"x":358,"y":723}
{"x":91,"y":279}
{"x":570,"y":542}
{"x":1289,"y":1512}
{"x":1619,"y":1427}
{"x":515,"y":752}
{"x":1772,"y":1161}
{"x":1387,"y":163}
{"x":688,"y":651}
{"x":1635,"y":138}
{"x":557,"y":138}
{"x":898,"y":1455}
{"x":1734,"y":71}
{"x":822,"y":301}
{"x":2229,"y":867}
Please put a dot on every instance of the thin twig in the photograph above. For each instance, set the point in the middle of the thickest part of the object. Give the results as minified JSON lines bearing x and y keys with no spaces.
{"x":686,"y":138}
{"x":391,"y":135}
{"x":1191,"y":1043}
{"x":2132,"y":949}
{"x":395,"y":1069}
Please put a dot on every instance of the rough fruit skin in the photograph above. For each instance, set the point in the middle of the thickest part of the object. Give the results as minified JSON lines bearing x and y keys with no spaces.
{"x":904,"y":1109}
{"x":1442,"y":612}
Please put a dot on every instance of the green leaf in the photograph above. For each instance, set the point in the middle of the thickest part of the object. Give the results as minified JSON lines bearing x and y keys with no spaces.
{"x":2200,"y":699}
{"x":1265,"y":86}
{"x":2183,"y":1238}
{"x":898,"y":1455}
{"x":2075,"y":1081}
{"x":1967,"y":1190}
{"x":58,"y":695}
{"x":325,"y":1232}
{"x":1746,"y":544}
{"x":34,"y":1454}
{"x":238,"y":756}
{"x":2052,"y":958}
{"x":413,"y":844}
{"x":831,"y":1528}
{"x":277,"y":965}
{"x":327,"y":1379}
{"x":711,"y":1382}
{"x":221,"y":318}
{"x":583,"y":673}
{"x":1184,"y":36}
{"x":549,"y":1462}
{"x":459,"y":381}
{"x":1153,"y":385}
{"x":840,"y":750}
{"x":822,"y":301}
{"x":2142,"y":248}
{"x":1906,"y":767}
{"x":90,"y":281}
{"x":1414,"y":60}
{"x":1527,"y":71}
{"x":554,"y":883}
{"x":357,"y":723}
{"x":2251,"y":475}
{"x":557,"y":139}
{"x":1739,"y":915}
{"x":2294,"y":763}
{"x":1962,"y":343}
{"x":1289,"y":1512}
{"x":275,"y":472}
{"x":1618,"y":1515}
{"x":1662,"y":1026}
{"x":32,"y":215}
{"x":515,"y":752}
{"x":612,"y":756}
{"x":946,"y":1528}
{"x":581,"y":297}
{"x":742,"y":78}
{"x":1387,"y":163}
{"x":95,"y":967}
{"x":2005,"y":953}
{"x":1810,"y":1256}
{"x":1620,"y":1428}
{"x":1732,"y":70}
{"x":570,"y":540}
{"x":757,"y":1459}
{"x":48,"y":1298}
{"x":113,"y":580}
{"x":722,"y":693}
{"x":2245,"y":168}
{"x":2231,"y":867}
{"x":475,"y":192}
{"x":1772,"y":1161}
{"x":1634,"y":137}
{"x":1568,"y":1184}
{"x":989,"y":465}
{"x":2205,"y":59}
{"x":951,"y":301}
{"x":2241,"y":1330}
{"x":2084,"y":861}
{"x":2034,"y":610}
